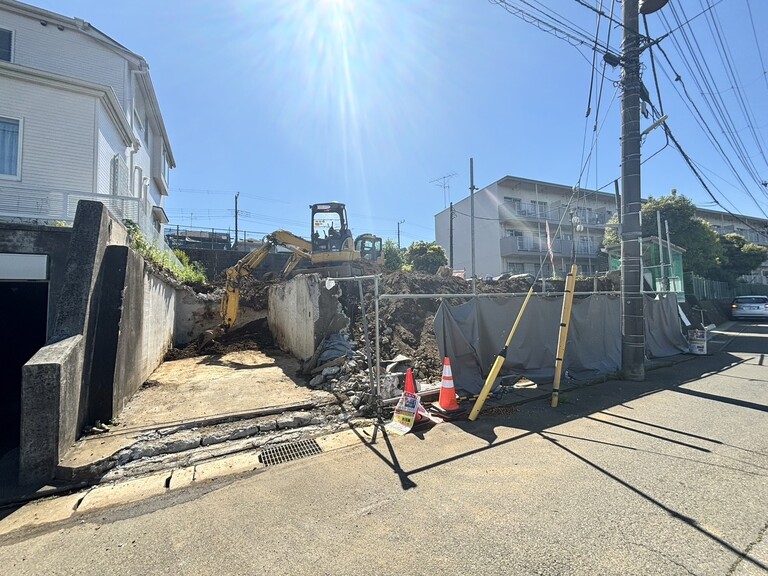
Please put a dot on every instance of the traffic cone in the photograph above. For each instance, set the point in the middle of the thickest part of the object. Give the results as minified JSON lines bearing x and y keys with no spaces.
{"x":447,"y":401}
{"x":410,"y":385}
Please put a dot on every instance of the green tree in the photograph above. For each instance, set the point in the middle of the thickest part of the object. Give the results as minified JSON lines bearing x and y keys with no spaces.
{"x":393,"y":256}
{"x":739,"y":257}
{"x":425,"y":257}
{"x":703,"y":251}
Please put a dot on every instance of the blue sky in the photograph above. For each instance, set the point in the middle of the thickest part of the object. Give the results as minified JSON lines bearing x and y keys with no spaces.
{"x":292,"y":102}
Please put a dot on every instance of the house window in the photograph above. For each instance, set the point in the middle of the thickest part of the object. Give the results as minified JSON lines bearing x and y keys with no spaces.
{"x":10,"y":147}
{"x":6,"y":45}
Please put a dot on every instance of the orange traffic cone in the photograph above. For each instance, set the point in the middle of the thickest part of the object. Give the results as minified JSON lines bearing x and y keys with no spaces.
{"x":447,"y":401}
{"x":410,"y":385}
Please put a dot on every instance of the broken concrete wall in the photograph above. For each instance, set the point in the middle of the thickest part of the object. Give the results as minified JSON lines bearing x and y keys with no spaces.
{"x":302,"y":312}
{"x":195,"y":313}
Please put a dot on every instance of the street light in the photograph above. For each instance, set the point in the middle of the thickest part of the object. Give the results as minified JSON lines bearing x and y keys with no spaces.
{"x":575,"y":226}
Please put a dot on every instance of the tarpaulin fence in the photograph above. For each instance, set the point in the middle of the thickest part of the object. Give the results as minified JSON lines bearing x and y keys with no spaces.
{"x":471,"y":335}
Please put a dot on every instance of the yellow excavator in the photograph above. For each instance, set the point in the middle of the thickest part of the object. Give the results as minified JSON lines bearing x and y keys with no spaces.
{"x":331,"y":252}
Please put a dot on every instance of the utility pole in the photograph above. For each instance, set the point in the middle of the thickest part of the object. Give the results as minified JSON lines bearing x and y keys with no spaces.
{"x":472,"y":217}
{"x":398,"y":233}
{"x":237,"y":194}
{"x":451,"y":216}
{"x":632,"y":320}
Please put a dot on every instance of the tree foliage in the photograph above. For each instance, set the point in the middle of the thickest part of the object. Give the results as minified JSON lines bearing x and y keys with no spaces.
{"x":739,"y":257}
{"x":393,"y":256}
{"x":703,"y":251}
{"x":425,"y":257}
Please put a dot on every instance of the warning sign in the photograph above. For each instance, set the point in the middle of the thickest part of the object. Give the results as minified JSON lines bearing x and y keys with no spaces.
{"x":405,"y":414}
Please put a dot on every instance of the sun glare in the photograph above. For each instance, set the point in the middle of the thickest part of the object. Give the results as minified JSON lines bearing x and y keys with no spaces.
{"x":348,"y":73}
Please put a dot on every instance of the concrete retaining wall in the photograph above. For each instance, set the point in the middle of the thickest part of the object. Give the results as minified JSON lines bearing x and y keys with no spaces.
{"x":114,"y":322}
{"x":49,"y":240}
{"x":217,"y":261}
{"x":302,"y":312}
{"x":51,"y":382}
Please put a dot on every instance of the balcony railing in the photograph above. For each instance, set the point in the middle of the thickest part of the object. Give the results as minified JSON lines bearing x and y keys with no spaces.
{"x":551,"y":213}
{"x":49,"y":206}
{"x":511,"y":245}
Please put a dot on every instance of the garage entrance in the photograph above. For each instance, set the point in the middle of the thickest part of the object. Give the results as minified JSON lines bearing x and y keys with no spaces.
{"x":24,"y":310}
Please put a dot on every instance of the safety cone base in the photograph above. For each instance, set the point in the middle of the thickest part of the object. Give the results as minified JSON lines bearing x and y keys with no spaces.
{"x":448,"y":415}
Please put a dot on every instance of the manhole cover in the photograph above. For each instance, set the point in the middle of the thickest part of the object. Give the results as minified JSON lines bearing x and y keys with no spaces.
{"x":287,"y":452}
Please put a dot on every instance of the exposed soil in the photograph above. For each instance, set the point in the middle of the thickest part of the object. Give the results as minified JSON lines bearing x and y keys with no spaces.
{"x":407,"y":324}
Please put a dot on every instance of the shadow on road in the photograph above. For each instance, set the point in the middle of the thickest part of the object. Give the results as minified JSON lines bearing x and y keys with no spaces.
{"x":595,"y":405}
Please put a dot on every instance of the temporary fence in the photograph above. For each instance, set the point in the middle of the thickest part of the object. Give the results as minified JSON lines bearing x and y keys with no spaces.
{"x":471,"y":332}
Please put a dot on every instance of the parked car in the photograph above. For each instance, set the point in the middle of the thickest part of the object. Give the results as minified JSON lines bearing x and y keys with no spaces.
{"x":749,"y":307}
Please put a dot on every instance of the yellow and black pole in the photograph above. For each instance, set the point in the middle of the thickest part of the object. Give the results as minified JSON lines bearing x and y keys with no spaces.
{"x":499,"y":362}
{"x":562,"y":339}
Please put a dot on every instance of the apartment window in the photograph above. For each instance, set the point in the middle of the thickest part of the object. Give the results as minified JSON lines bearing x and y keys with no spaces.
{"x":6,"y":45}
{"x":515,"y":267}
{"x":10,"y":147}
{"x":514,"y":204}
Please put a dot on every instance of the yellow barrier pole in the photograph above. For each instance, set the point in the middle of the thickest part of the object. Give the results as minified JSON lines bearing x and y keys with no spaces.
{"x":498,"y":363}
{"x":565,"y":321}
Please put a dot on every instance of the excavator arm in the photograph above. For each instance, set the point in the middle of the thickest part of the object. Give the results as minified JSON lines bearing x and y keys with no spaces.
{"x":230,"y":302}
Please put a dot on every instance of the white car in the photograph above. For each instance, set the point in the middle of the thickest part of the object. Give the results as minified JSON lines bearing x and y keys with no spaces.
{"x":752,"y":307}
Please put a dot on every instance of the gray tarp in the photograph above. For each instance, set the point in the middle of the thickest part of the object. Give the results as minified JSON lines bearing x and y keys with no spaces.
{"x":472,"y":334}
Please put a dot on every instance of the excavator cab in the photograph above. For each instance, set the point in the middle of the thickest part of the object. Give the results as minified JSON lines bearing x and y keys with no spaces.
{"x":370,"y":248}
{"x":330,"y":229}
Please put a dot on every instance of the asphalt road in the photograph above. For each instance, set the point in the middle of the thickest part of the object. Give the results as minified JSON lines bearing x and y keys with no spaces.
{"x":668,"y":476}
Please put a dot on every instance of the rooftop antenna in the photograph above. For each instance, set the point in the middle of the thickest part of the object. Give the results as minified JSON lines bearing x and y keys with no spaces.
{"x":444,"y":182}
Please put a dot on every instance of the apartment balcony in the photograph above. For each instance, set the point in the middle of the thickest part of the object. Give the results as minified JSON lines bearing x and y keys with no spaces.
{"x":522,"y":245}
{"x":510,"y":212}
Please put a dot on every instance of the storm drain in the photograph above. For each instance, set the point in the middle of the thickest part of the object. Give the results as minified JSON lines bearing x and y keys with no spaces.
{"x":287,"y":452}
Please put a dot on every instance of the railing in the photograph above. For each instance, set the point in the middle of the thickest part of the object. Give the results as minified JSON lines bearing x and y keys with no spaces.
{"x":552,"y":213}
{"x":705,"y":289}
{"x":49,"y":206}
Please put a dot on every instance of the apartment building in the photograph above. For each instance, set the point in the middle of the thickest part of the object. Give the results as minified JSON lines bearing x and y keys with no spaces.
{"x":514,"y":218}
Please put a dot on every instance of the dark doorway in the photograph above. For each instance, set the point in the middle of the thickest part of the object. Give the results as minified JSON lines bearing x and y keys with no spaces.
{"x":23,"y":318}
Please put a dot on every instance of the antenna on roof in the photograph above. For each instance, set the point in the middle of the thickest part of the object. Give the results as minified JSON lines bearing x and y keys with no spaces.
{"x":444,"y":182}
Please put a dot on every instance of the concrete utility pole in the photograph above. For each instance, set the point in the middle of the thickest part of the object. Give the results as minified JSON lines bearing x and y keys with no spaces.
{"x":472,"y":217}
{"x":398,"y":233}
{"x":237,"y":195}
{"x":450,"y":236}
{"x":632,"y":323}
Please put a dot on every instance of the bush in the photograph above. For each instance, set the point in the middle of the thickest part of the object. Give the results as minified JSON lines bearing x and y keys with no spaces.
{"x":184,"y":270}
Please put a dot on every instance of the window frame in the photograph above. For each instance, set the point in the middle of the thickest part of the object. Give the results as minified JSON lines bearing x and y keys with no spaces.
{"x":19,"y":147}
{"x":11,"y":50}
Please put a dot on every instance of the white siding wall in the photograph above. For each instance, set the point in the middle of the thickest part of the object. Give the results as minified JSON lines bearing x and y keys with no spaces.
{"x":58,"y":140}
{"x":487,"y":235}
{"x":66,"y":52}
{"x":110,"y":143}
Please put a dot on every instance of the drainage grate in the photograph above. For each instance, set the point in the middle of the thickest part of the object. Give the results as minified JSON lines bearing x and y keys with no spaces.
{"x":287,"y":452}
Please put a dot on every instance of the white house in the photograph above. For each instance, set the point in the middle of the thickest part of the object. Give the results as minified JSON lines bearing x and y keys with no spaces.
{"x":511,"y":220}
{"x":79,"y":119}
